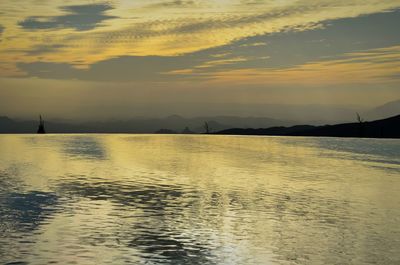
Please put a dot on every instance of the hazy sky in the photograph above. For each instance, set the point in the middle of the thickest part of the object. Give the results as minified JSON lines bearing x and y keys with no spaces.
{"x":125,"y":58}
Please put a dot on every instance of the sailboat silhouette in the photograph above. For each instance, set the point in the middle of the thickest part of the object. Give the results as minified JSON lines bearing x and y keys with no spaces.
{"x":41,"y":129}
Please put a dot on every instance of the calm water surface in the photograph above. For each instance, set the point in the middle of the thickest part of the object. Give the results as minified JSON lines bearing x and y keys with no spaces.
{"x":148,"y":199}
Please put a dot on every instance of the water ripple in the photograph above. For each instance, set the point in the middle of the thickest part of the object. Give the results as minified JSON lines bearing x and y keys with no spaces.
{"x":114,"y":199}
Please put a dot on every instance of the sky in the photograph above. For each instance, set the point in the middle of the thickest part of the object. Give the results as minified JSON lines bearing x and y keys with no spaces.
{"x":120,"y":58}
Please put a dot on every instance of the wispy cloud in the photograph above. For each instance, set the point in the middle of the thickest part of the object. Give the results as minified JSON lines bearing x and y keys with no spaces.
{"x":44,"y":49}
{"x":173,"y":4}
{"x":221,"y":62}
{"x":372,"y":66}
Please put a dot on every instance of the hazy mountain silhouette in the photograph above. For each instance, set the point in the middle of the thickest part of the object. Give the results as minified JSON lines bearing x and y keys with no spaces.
{"x":385,"y":128}
{"x":229,"y":124}
{"x":386,"y":110}
{"x":140,"y":125}
{"x":267,"y":131}
{"x":166,"y":131}
{"x":187,"y":131}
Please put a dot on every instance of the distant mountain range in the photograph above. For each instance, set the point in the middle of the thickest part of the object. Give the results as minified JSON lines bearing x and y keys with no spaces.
{"x":385,"y":128}
{"x":389,"y":109}
{"x":179,"y":124}
{"x":172,"y":123}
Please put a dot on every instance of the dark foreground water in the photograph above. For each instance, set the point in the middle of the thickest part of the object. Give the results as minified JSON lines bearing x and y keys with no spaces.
{"x":147,"y":199}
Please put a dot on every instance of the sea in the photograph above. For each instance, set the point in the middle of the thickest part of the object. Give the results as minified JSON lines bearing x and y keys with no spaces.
{"x":198,"y":199}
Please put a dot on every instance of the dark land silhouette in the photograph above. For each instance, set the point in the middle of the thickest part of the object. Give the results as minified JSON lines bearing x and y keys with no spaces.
{"x":385,"y":128}
{"x":173,"y":123}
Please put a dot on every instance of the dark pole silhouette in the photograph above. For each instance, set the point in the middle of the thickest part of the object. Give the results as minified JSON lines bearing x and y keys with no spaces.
{"x":41,"y":129}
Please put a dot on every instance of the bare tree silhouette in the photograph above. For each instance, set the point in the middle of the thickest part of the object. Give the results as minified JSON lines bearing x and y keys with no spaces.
{"x":207,"y":128}
{"x":41,"y":129}
{"x":361,"y":122}
{"x":359,"y":119}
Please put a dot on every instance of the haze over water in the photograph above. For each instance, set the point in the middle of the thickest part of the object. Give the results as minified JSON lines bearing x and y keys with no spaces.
{"x":151,"y":199}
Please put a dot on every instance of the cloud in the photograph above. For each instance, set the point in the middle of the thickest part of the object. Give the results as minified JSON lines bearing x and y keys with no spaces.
{"x":44,"y":49}
{"x":253,"y":58}
{"x":174,"y":4}
{"x":371,"y":66}
{"x":229,"y":28}
{"x":79,"y":17}
{"x":331,"y":40}
{"x":237,"y":21}
{"x":251,"y":2}
{"x":122,"y":69}
{"x":377,"y":66}
{"x":1,"y":31}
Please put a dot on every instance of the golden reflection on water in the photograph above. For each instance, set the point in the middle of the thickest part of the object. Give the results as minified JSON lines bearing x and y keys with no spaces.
{"x":100,"y":199}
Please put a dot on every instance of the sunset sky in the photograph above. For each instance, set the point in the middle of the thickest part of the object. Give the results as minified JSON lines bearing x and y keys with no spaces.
{"x":125,"y":58}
